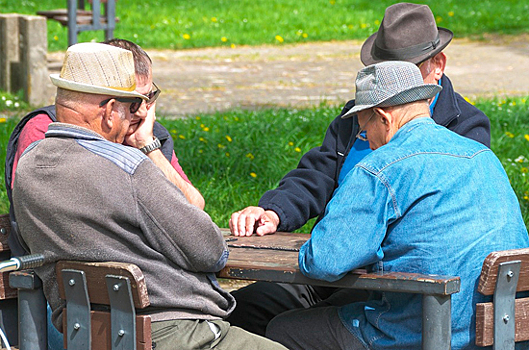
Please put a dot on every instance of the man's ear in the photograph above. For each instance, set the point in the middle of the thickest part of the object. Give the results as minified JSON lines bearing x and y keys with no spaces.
{"x":383,"y":115}
{"x":438,"y":65}
{"x":107,"y":119}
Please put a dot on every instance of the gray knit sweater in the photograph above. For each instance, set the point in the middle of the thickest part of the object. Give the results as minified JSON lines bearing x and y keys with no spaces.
{"x":80,"y":197}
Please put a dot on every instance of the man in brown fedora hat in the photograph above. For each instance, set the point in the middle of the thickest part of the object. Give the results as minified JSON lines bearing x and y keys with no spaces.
{"x":408,"y":32}
{"x":80,"y":194}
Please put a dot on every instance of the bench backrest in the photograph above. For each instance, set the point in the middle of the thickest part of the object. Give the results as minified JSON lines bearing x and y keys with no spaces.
{"x":6,"y":292}
{"x":506,"y":319}
{"x":118,"y":285}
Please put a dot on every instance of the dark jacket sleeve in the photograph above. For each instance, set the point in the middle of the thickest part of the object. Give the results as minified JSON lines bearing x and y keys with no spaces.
{"x":472,"y":123}
{"x":455,"y":113}
{"x":303,"y":193}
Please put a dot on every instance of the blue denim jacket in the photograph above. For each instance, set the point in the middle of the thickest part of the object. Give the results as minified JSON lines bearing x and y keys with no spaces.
{"x":429,"y":201}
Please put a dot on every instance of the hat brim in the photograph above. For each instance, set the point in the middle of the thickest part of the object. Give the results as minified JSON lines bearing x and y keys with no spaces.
{"x":367,"y":58}
{"x":416,"y":93}
{"x":92,"y":89}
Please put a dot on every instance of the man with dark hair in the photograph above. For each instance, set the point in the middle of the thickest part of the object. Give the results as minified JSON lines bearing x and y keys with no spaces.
{"x":408,"y":32}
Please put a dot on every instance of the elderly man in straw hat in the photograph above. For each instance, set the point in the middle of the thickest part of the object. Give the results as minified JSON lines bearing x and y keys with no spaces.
{"x":408,"y":32}
{"x":80,"y":194}
{"x":426,"y":200}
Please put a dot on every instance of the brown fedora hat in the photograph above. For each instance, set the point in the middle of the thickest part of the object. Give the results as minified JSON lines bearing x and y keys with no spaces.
{"x":408,"y":32}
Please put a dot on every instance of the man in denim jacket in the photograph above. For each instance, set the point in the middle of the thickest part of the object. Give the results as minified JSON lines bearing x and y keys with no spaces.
{"x":425,"y":201}
{"x":408,"y":32}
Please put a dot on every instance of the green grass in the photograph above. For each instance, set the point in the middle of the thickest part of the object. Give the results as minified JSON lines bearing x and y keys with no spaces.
{"x":176,"y":24}
{"x":234,"y":157}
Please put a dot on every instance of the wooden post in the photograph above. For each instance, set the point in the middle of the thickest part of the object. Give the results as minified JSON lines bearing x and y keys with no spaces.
{"x":8,"y":48}
{"x":33,"y":68}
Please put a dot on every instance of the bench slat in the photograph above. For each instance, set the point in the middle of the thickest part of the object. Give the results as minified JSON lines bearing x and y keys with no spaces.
{"x":95,"y":279}
{"x":489,"y":272}
{"x":5,"y":230}
{"x":485,"y":322}
{"x":101,"y":330}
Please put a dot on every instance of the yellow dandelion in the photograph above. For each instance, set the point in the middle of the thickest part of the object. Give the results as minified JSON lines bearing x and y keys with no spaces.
{"x":513,"y":103}
{"x":250,"y":156}
{"x":213,"y":19}
{"x":206,"y":129}
{"x":55,"y":37}
{"x":221,"y":146}
{"x":198,"y":118}
{"x":232,"y":46}
{"x":224,"y":39}
{"x":468,"y":100}
{"x":182,"y":137}
{"x":279,"y":38}
{"x":297,"y":149}
{"x":524,"y":170}
{"x":451,"y":13}
{"x":228,"y":138}
{"x":186,"y":36}
{"x":377,"y":22}
{"x":3,"y":120}
{"x":526,"y":198}
{"x":363,"y":25}
{"x":201,"y":139}
{"x":291,"y":143}
{"x":202,"y":126}
{"x":509,"y":134}
{"x":305,"y":35}
{"x":253,"y":174}
{"x":526,"y":136}
{"x":438,"y":19}
{"x":200,"y":151}
{"x":227,"y":154}
{"x":332,"y":2}
{"x":173,"y":131}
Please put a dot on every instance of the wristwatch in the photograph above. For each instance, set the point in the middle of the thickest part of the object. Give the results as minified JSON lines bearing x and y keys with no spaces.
{"x":151,"y":146}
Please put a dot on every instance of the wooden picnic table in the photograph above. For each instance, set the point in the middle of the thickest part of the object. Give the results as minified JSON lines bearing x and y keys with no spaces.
{"x":274,"y":258}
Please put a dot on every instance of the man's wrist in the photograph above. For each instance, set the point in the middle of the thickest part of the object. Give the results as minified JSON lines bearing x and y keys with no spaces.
{"x":154,"y":145}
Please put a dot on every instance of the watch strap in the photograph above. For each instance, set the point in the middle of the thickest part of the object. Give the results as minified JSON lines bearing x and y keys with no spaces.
{"x":155,"y":144}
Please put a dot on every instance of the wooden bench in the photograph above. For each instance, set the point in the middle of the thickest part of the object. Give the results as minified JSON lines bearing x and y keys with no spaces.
{"x":505,"y":320}
{"x":8,"y":295}
{"x":78,"y":19}
{"x":122,"y":288}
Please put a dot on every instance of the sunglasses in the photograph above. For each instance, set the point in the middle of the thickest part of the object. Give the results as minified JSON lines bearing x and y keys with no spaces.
{"x":153,"y":95}
{"x":135,"y":102}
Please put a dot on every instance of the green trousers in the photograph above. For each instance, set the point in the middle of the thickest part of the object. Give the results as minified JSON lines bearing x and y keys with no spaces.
{"x":201,"y":334}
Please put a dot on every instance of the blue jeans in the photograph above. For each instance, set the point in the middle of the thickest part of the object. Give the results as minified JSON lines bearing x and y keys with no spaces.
{"x":55,"y":339}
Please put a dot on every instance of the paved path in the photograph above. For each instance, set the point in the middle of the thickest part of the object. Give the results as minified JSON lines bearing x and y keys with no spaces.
{"x":217,"y":79}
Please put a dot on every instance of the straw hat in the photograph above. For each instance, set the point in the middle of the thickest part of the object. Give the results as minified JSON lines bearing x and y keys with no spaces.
{"x":390,"y":83}
{"x":97,"y":68}
{"x":408,"y":32}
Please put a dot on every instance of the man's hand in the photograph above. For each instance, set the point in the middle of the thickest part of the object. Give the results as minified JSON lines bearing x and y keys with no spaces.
{"x":140,"y":131}
{"x":250,"y":219}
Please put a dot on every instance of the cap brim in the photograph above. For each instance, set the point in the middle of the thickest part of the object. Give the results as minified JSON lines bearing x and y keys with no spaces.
{"x":367,"y":58}
{"x":416,"y":93}
{"x":91,"y":89}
